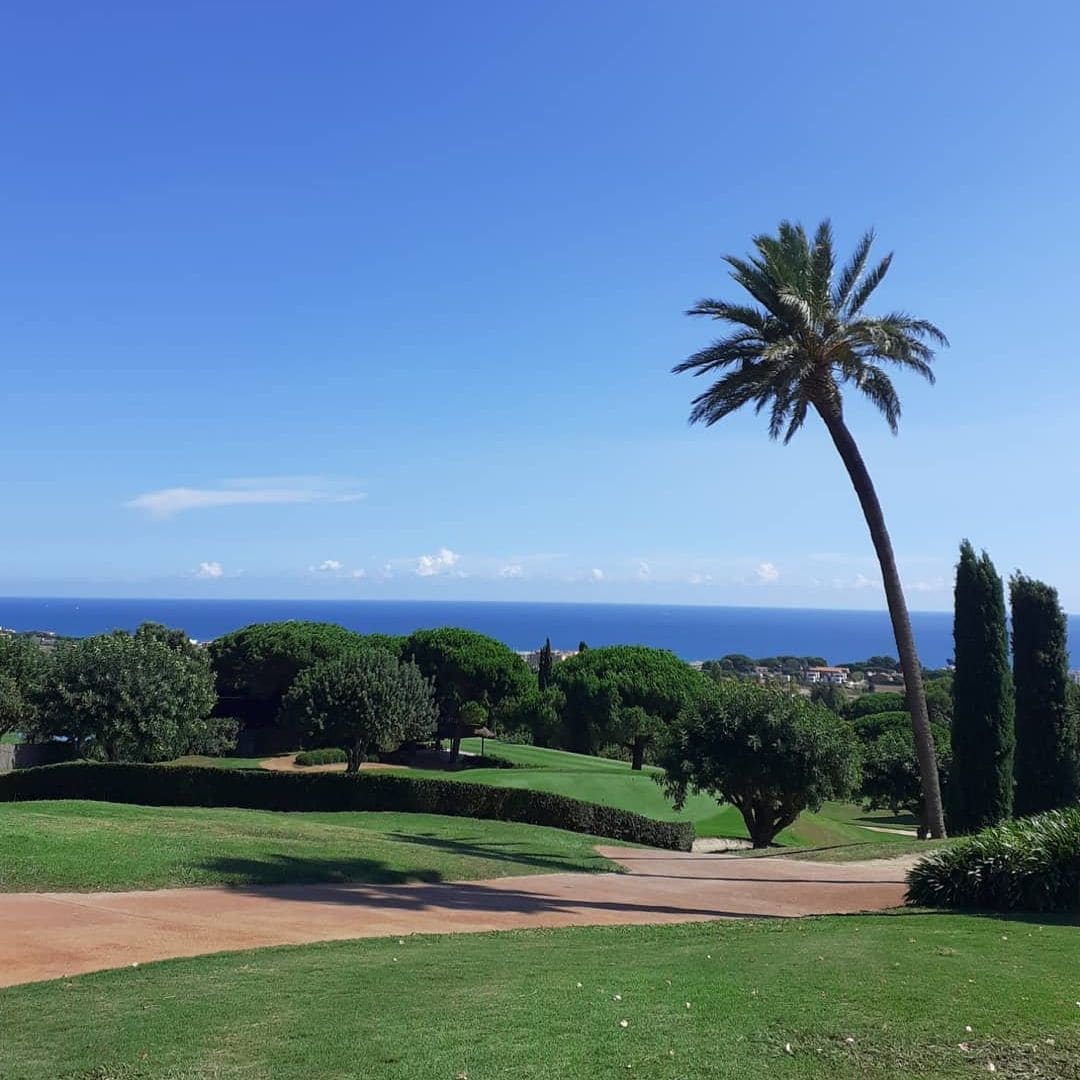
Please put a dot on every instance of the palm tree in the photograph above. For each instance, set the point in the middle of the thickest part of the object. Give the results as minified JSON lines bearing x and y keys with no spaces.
{"x":802,"y":340}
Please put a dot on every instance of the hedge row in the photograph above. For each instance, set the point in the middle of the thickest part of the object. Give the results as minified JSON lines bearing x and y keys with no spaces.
{"x":174,"y":785}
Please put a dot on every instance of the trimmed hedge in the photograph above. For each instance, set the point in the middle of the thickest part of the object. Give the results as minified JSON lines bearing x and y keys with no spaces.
{"x":175,"y":785}
{"x":1027,"y":865}
{"x":329,"y":756}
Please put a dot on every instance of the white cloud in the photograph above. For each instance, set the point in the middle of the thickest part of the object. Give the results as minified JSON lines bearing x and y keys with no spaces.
{"x":328,"y":566}
{"x":596,"y":574}
{"x":442,"y":562}
{"x":768,"y":573}
{"x":644,"y":571}
{"x":357,"y":574}
{"x":513,"y":570}
{"x":209,"y":570}
{"x":933,"y":585}
{"x":167,"y":502}
{"x":863,"y":582}
{"x":699,"y":579}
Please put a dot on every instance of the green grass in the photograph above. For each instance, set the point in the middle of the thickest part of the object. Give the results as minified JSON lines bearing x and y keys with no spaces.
{"x":12,"y":737}
{"x":541,"y":1005}
{"x":614,"y":783}
{"x":71,"y":845}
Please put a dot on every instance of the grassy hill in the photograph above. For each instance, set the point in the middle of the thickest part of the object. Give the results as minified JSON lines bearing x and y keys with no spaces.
{"x":614,"y":783}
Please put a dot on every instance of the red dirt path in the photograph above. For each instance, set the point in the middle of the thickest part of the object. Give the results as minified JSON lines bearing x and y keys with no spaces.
{"x":48,"y":935}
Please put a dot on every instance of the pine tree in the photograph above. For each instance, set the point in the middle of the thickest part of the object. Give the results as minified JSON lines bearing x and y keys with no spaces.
{"x":546,"y":665}
{"x":582,"y":647}
{"x":1046,"y":738}
{"x":980,"y":791}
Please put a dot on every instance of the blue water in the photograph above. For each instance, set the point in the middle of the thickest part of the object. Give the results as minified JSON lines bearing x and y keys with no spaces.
{"x":694,"y":633}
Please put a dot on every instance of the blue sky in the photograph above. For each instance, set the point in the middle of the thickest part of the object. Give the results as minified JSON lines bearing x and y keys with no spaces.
{"x":330,"y":299}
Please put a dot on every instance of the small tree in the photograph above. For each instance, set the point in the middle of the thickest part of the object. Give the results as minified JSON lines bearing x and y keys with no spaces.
{"x":546,"y":665}
{"x":983,"y":733}
{"x":364,"y":702}
{"x":768,"y":753}
{"x":1046,"y":765}
{"x":538,"y":713}
{"x":125,"y":698}
{"x":890,"y":772}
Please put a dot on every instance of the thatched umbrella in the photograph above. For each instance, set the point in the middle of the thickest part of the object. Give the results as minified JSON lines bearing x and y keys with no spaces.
{"x":483,"y":733}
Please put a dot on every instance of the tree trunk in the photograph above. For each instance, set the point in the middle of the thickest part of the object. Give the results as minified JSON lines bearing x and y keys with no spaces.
{"x":638,"y":754}
{"x":354,"y":759}
{"x":898,"y":613}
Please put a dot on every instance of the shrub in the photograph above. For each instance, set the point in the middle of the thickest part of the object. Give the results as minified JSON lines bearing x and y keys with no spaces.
{"x":1027,"y":865}
{"x":872,"y":726}
{"x":175,"y":785}
{"x":329,"y":756}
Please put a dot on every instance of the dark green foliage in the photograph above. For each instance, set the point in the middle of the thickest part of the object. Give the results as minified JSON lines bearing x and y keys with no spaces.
{"x":731,"y":664}
{"x":582,"y":647}
{"x":874,"y":663}
{"x":171,"y":785}
{"x":327,"y":756}
{"x":865,"y":704}
{"x":535,"y":718}
{"x":768,"y":753}
{"x":890,"y":773}
{"x":832,"y":697}
{"x":983,"y":732}
{"x":874,"y":725}
{"x":1047,"y":770}
{"x":1027,"y":865}
{"x":365,"y":701}
{"x":255,"y":666}
{"x":546,"y":665}
{"x":625,"y":694}
{"x":23,"y":666}
{"x":467,"y":666}
{"x":125,"y":698}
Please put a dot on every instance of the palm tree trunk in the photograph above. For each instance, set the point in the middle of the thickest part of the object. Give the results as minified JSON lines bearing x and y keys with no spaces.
{"x":898,"y":613}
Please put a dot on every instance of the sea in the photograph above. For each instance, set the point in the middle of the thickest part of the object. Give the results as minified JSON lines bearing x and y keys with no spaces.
{"x":692,"y":632}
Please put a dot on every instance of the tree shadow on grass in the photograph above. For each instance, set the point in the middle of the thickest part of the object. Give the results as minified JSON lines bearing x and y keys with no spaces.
{"x":504,"y":851}
{"x":294,"y":870}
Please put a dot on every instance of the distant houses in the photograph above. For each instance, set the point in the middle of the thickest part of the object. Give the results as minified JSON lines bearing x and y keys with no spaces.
{"x":532,"y":658}
{"x":829,"y":676}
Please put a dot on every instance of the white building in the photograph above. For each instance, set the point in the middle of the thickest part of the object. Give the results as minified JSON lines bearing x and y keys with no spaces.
{"x":834,"y":676}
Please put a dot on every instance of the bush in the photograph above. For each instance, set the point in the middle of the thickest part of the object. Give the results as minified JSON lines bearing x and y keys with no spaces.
{"x":330,"y":756}
{"x":1027,"y":865}
{"x":175,"y":785}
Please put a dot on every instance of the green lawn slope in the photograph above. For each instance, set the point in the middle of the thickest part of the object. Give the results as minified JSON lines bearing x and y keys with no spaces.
{"x":855,"y":998}
{"x":75,"y":845}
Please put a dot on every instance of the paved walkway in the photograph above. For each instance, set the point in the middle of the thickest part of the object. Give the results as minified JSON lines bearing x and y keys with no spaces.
{"x":48,"y":935}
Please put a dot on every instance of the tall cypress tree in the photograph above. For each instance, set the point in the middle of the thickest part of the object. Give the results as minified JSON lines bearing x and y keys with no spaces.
{"x":546,"y":665}
{"x":980,"y":791}
{"x":1046,"y":745}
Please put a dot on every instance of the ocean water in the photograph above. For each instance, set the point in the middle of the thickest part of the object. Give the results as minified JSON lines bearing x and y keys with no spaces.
{"x":694,"y":633}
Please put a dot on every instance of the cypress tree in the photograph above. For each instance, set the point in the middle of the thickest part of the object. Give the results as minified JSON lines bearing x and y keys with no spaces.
{"x":546,"y":665}
{"x":1046,"y":750}
{"x":980,"y":791}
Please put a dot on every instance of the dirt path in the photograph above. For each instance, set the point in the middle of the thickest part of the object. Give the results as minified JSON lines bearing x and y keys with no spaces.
{"x":48,"y":935}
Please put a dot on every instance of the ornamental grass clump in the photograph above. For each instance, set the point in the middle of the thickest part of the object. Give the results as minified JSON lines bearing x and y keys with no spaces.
{"x":1028,"y":865}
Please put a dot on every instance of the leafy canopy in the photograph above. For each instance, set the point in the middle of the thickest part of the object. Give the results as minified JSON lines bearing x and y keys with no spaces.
{"x":806,"y":334}
{"x":125,"y":698}
{"x":622,"y":694}
{"x":769,"y":753}
{"x":467,"y":666}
